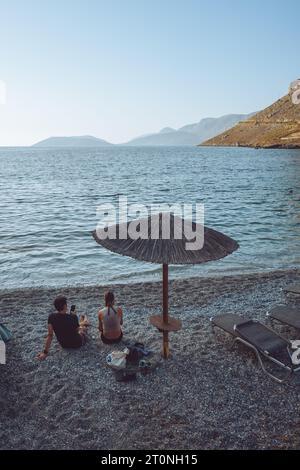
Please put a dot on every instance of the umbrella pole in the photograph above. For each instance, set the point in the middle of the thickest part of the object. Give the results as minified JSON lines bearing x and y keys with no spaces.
{"x":165,"y":310}
{"x":164,"y":323}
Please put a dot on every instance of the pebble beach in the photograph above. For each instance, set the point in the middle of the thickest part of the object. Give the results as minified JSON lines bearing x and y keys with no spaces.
{"x":206,"y":396}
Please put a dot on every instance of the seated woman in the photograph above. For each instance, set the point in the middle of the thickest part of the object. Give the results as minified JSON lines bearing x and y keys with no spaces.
{"x":110,"y":321}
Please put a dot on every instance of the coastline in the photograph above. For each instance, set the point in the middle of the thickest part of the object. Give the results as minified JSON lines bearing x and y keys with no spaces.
{"x":202,"y":280}
{"x":257,"y":147}
{"x":205,"y":397}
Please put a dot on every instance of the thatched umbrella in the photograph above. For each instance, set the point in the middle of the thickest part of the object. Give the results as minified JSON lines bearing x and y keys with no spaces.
{"x":159,"y":246}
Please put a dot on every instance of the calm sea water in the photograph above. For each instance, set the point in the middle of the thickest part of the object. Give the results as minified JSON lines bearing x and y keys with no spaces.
{"x":48,"y":201}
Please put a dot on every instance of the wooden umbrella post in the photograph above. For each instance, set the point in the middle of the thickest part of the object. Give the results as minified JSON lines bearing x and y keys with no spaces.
{"x":165,"y":310}
{"x":164,"y":323}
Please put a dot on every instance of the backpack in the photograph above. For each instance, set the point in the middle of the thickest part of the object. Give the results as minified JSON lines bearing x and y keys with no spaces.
{"x":135,"y":353}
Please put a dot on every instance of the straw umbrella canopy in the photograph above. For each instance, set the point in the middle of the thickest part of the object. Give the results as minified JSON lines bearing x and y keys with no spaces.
{"x":164,"y":240}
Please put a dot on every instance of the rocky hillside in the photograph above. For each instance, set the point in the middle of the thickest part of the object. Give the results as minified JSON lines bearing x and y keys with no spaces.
{"x":277,"y":126}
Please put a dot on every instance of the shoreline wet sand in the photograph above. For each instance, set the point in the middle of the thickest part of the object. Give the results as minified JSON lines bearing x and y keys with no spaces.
{"x":205,"y":397}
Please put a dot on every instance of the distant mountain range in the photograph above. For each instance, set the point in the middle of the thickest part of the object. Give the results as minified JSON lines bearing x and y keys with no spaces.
{"x":77,"y":141}
{"x":191,"y":134}
{"x":277,"y":126}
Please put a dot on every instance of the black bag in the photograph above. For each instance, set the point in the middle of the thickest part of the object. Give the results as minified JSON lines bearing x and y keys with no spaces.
{"x":135,"y":353}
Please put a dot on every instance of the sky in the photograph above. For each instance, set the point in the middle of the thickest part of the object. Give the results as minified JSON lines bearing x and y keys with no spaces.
{"x":117,"y":69}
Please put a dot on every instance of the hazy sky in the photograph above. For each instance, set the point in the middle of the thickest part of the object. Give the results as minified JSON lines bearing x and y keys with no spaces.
{"x":119,"y":68}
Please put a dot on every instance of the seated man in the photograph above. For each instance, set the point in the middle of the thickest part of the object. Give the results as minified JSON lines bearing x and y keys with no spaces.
{"x":69,"y":332}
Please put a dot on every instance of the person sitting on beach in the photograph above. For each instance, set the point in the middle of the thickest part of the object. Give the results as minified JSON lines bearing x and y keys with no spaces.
{"x":110,"y":320}
{"x":70,"y":333}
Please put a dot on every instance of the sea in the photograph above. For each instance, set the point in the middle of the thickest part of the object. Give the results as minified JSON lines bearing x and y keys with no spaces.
{"x":50,"y":199}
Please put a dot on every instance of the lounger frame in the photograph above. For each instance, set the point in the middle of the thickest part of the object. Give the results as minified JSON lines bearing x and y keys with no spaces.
{"x":260,"y":354}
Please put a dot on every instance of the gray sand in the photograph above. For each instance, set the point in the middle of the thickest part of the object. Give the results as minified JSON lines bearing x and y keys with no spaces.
{"x":205,"y":397}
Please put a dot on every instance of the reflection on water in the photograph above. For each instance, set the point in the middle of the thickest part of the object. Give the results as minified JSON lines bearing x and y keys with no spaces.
{"x":48,"y":201}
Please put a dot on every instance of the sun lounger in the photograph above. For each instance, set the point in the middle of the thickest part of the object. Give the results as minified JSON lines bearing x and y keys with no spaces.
{"x":286,"y":315}
{"x":227,"y":321}
{"x":293,"y":289}
{"x":266,"y":343}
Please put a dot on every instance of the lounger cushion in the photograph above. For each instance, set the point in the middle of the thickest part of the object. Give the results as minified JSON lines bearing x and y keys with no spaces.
{"x":261,"y":337}
{"x":294,"y":289}
{"x":287,"y":315}
{"x":227,"y":321}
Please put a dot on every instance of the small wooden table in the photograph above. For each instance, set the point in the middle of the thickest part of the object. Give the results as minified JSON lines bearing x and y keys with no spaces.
{"x":166,"y":327}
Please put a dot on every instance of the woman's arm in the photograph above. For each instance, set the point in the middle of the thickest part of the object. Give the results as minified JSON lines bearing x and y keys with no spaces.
{"x":120,"y":312}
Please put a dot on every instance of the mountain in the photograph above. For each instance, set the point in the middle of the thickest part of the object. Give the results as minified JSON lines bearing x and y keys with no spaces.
{"x":77,"y":141}
{"x":165,"y":138}
{"x":167,"y":130}
{"x":190,"y":134}
{"x":277,"y":126}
